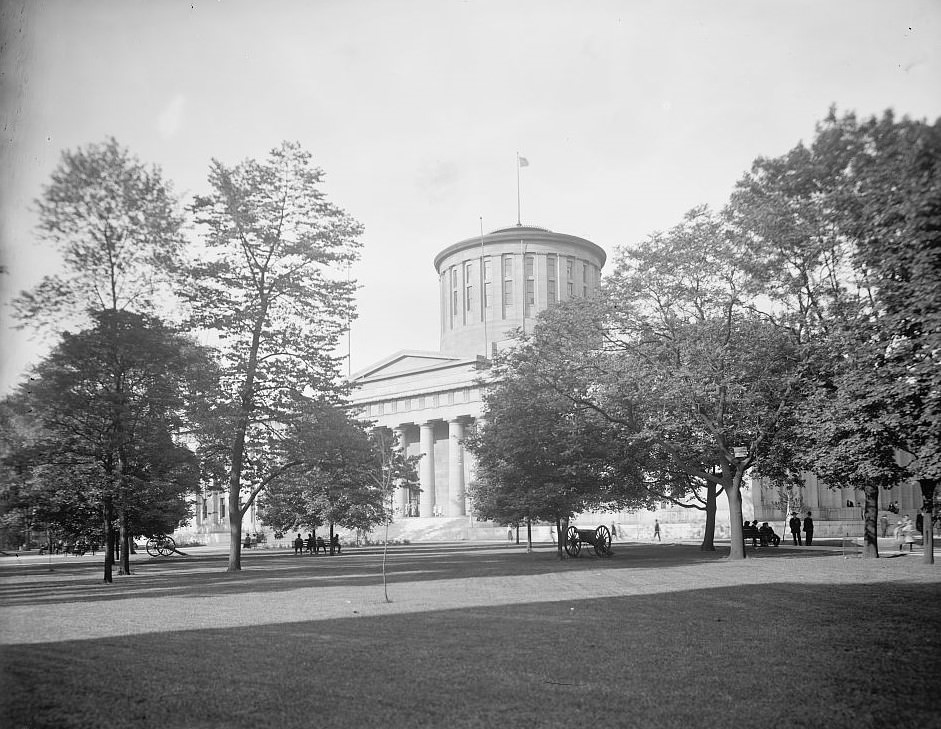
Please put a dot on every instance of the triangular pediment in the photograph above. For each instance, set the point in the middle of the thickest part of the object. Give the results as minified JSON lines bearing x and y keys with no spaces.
{"x":405,"y":362}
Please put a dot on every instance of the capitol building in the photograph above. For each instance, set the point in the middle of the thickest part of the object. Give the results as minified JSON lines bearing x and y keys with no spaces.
{"x":490,"y":286}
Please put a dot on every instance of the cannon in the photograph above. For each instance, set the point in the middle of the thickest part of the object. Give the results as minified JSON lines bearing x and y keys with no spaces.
{"x":162,"y":546}
{"x":599,"y":538}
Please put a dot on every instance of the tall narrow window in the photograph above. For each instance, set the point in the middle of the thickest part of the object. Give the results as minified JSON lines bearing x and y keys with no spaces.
{"x":488,"y":278}
{"x":552,"y":284}
{"x":570,"y":277}
{"x":585,"y":279}
{"x":507,"y":283}
{"x":468,"y":286}
{"x":529,"y":267}
{"x":221,"y":507}
{"x":454,"y":294}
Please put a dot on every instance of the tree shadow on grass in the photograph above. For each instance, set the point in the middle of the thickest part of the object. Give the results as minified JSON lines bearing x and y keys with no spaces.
{"x":753,"y":655}
{"x":202,"y":576}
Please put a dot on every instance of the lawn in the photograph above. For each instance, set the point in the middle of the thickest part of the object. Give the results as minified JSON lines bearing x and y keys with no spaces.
{"x":657,"y":636}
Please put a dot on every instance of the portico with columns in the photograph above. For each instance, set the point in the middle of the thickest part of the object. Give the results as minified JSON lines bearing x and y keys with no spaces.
{"x":429,"y":400}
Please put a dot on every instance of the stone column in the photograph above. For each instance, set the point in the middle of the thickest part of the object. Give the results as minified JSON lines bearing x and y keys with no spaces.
{"x":455,"y":468}
{"x":426,"y":500}
{"x":402,"y":495}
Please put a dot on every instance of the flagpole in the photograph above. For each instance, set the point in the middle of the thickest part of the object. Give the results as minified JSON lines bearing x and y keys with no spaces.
{"x":483,"y":287}
{"x":518,"y":217}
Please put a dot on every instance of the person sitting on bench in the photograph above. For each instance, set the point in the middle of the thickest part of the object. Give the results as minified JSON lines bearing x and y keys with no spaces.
{"x":767,"y":535}
{"x":335,"y":542}
{"x":750,"y":532}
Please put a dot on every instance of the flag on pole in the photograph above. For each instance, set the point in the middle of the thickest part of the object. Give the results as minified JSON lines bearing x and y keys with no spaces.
{"x":524,"y":162}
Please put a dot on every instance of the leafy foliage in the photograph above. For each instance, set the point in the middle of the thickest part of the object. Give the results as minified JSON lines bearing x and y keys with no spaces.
{"x":268,"y":284}
{"x":850,"y":228}
{"x":117,"y":227}
{"x":97,"y":426}
{"x":346,"y":475}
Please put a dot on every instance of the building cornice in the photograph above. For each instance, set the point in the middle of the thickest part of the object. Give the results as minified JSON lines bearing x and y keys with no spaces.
{"x":523,"y":232}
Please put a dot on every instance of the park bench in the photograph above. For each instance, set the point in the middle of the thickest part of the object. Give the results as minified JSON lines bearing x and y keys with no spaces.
{"x":599,"y":538}
{"x":759,"y":540}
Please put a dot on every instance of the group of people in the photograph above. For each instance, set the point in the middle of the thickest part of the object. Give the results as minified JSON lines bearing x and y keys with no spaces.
{"x":905,"y":531}
{"x":762,"y":535}
{"x":794,"y":524}
{"x":78,"y":547}
{"x":314,"y":545}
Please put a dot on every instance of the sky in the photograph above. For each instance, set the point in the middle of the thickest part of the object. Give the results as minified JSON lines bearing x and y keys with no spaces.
{"x":629,"y":113}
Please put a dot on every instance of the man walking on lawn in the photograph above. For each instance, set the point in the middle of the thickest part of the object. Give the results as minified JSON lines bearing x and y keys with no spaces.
{"x":656,"y":529}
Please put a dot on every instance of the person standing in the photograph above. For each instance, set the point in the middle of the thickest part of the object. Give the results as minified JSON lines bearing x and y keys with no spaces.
{"x":298,"y":544}
{"x":809,"y":529}
{"x":656,"y":529}
{"x":795,"y":526}
{"x":885,"y":524}
{"x":907,"y":529}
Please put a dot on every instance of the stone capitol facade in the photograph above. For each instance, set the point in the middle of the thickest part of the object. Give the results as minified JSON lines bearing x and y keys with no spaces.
{"x":489,"y":286}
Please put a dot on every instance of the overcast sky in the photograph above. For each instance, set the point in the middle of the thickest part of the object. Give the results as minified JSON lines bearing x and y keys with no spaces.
{"x":629,"y":113}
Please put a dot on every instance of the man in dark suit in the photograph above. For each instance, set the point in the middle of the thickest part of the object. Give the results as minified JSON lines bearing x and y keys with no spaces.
{"x":795,"y":526}
{"x":809,"y":529}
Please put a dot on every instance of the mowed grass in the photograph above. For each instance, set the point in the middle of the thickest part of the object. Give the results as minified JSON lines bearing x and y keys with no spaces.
{"x":480,"y":637}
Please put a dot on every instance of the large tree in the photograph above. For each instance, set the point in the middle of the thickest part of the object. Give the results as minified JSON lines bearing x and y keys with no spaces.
{"x":110,"y":404}
{"x":848,"y":229}
{"x":116,"y":225}
{"x":540,"y":456}
{"x":270,"y":284}
{"x":694,"y":382}
{"x":345,"y":476}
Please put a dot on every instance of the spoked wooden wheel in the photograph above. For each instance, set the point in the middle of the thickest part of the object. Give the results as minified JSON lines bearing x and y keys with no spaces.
{"x":166,"y":546}
{"x":573,"y":544}
{"x":602,"y":542}
{"x":161,"y":546}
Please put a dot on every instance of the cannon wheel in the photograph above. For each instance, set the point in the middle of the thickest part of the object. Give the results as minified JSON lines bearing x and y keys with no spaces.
{"x":152,"y":547}
{"x":166,"y":546}
{"x":573,"y":543}
{"x":602,"y":541}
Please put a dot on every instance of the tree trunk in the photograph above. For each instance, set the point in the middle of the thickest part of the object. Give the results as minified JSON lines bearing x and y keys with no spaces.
{"x":246,"y":401}
{"x":928,"y":486}
{"x":124,"y":567}
{"x":871,"y":521}
{"x":331,"y":539}
{"x":529,"y":534}
{"x":109,"y":540}
{"x":235,"y":524}
{"x":734,"y":493}
{"x":709,"y":535}
{"x":560,"y":526}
